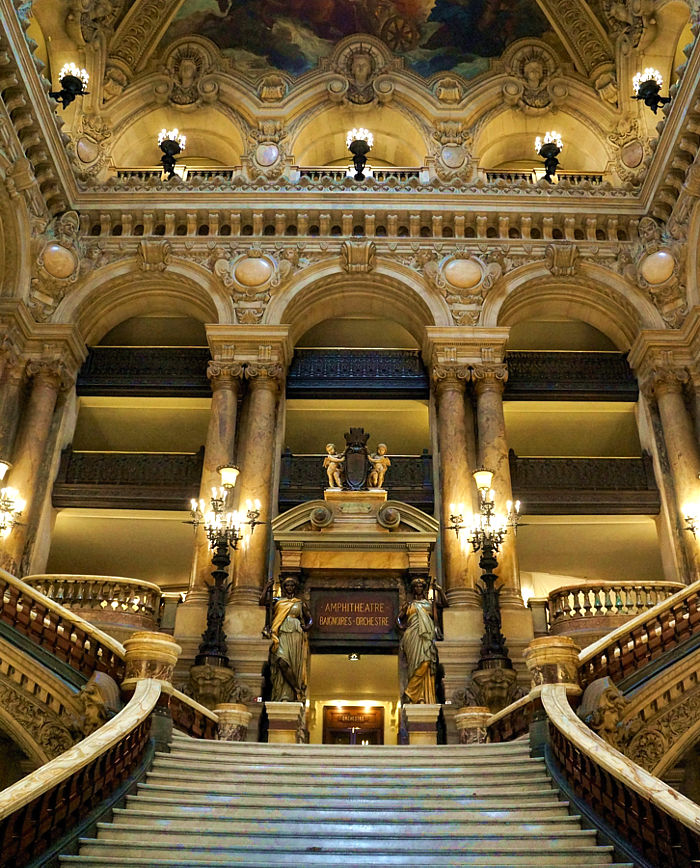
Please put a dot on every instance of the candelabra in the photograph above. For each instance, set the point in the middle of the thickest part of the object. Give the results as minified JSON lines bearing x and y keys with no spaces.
{"x":359,"y":142}
{"x":11,"y":505}
{"x":646,"y":86}
{"x":549,"y":150}
{"x":73,"y":81}
{"x":487,"y":533}
{"x":224,"y":530}
{"x":171,"y":143}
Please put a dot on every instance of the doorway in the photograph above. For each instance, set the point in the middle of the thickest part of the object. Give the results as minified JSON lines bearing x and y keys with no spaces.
{"x":353,"y":725}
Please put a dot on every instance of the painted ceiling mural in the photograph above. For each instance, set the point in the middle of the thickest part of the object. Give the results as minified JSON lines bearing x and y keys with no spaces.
{"x":292,"y":35}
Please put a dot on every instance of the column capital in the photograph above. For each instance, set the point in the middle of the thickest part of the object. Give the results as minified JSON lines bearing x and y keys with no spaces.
{"x":54,"y":372}
{"x":450,"y":376}
{"x":662,"y":379}
{"x":224,"y":374}
{"x":265,"y":375}
{"x":489,"y":375}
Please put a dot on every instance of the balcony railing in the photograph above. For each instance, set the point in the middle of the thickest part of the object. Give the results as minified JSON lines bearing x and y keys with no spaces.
{"x":107,"y":601}
{"x":583,"y":486}
{"x":570,"y":376}
{"x":348,"y":373}
{"x":127,"y":480}
{"x":153,"y":371}
{"x":409,"y":479}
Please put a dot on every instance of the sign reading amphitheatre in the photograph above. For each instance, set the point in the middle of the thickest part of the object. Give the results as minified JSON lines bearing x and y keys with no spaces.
{"x":348,"y":614}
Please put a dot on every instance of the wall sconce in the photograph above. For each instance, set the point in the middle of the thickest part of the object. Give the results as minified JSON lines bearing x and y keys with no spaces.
{"x":549,"y":150}
{"x":229,"y":475}
{"x":11,"y":507}
{"x":359,"y":142}
{"x":646,"y":86}
{"x":73,"y":81}
{"x":171,"y":144}
{"x":691,"y":517}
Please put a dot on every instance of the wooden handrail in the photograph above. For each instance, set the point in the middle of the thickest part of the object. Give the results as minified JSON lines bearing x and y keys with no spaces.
{"x":658,"y":821}
{"x":42,"y":806}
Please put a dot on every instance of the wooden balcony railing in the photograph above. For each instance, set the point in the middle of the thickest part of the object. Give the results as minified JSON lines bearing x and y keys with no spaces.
{"x":581,"y":486}
{"x":127,"y":480}
{"x":569,"y":376}
{"x":149,"y":371}
{"x":103,"y":600}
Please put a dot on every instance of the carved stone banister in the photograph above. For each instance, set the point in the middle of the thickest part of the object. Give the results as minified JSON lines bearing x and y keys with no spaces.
{"x":58,"y":630}
{"x":600,"y":599}
{"x":151,"y":371}
{"x":644,"y":638}
{"x":659,"y":822}
{"x":41,"y":807}
{"x":570,"y":376}
{"x":189,"y":716}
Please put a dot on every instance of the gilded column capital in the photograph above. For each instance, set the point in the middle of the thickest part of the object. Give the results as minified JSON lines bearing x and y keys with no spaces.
{"x":489,"y":376}
{"x":663,"y":379}
{"x":450,"y":376}
{"x":269,"y":375}
{"x":53,"y":372}
{"x":224,"y":374}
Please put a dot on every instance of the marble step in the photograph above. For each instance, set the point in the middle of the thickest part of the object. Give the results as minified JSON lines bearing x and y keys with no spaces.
{"x":119,"y":852}
{"x":489,"y":765}
{"x":340,"y":826}
{"x":255,"y":810}
{"x":324,"y":788}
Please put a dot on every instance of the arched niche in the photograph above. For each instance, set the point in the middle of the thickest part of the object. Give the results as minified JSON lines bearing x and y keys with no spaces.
{"x":212,"y":138}
{"x":358,"y":332}
{"x":160,"y":327}
{"x":507,"y":141}
{"x":105,"y":303}
{"x":671,"y":33}
{"x":552,"y":332}
{"x":397,"y":139}
{"x":323,"y":296}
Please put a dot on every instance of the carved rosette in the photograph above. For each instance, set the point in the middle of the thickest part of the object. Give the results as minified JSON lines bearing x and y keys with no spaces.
{"x":150,"y":655}
{"x":471,"y":723}
{"x":552,"y":660}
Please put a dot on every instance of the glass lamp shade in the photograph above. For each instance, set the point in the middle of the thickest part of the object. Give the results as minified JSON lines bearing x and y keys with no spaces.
{"x":229,"y":475}
{"x":483,"y":479}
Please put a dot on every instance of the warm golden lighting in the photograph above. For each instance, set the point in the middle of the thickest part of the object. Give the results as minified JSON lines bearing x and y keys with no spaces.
{"x":4,"y":467}
{"x":72,"y":69}
{"x":691,"y":516}
{"x":483,"y":479}
{"x":172,"y":136}
{"x":229,"y":475}
{"x":649,"y":74}
{"x":552,"y":137}
{"x":359,"y":135}
{"x":11,"y":507}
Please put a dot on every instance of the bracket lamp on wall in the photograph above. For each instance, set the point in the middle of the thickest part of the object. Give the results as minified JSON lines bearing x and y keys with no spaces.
{"x":73,"y":81}
{"x":171,"y":143}
{"x":359,"y":142}
{"x":646,"y":86}
{"x":549,"y":150}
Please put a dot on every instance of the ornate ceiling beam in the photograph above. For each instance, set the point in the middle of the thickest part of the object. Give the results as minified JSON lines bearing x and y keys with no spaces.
{"x":136,"y":38}
{"x":585,"y":40}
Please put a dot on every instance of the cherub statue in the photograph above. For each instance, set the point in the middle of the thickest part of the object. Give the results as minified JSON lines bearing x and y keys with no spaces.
{"x":334,"y":466}
{"x":380,"y":462}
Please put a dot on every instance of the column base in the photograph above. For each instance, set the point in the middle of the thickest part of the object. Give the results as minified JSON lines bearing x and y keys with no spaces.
{"x":421,"y":723}
{"x":245,"y":596}
{"x":463,"y":598}
{"x":471,"y":724}
{"x":285,"y":722}
{"x":234,"y":719}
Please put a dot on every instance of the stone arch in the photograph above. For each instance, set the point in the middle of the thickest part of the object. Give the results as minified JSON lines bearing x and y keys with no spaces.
{"x":389,"y":291}
{"x":693,"y":261}
{"x":15,"y":235}
{"x":593,"y":295}
{"x":122,"y":290}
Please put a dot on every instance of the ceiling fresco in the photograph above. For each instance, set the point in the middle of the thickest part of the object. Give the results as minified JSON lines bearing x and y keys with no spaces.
{"x":292,"y":35}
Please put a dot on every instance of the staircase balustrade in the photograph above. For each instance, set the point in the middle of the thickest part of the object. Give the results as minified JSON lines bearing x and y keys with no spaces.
{"x":58,"y":630}
{"x":135,"y":601}
{"x":190,"y":717}
{"x":39,"y":809}
{"x":514,"y":721}
{"x":659,"y":822}
{"x":571,"y":606}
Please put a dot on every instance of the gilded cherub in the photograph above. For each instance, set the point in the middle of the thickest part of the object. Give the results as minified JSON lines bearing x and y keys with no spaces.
{"x":380,"y":462}
{"x":334,"y":466}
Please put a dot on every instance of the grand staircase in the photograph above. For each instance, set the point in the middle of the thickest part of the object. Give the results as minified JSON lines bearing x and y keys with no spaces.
{"x":222,"y":803}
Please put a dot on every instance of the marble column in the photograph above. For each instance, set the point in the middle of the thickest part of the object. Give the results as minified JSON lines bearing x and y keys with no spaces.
{"x":264,"y":383}
{"x":48,"y":378}
{"x":12,"y":374}
{"x":225,"y":379}
{"x":489,"y":381}
{"x":455,"y":482}
{"x":665,"y":386}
